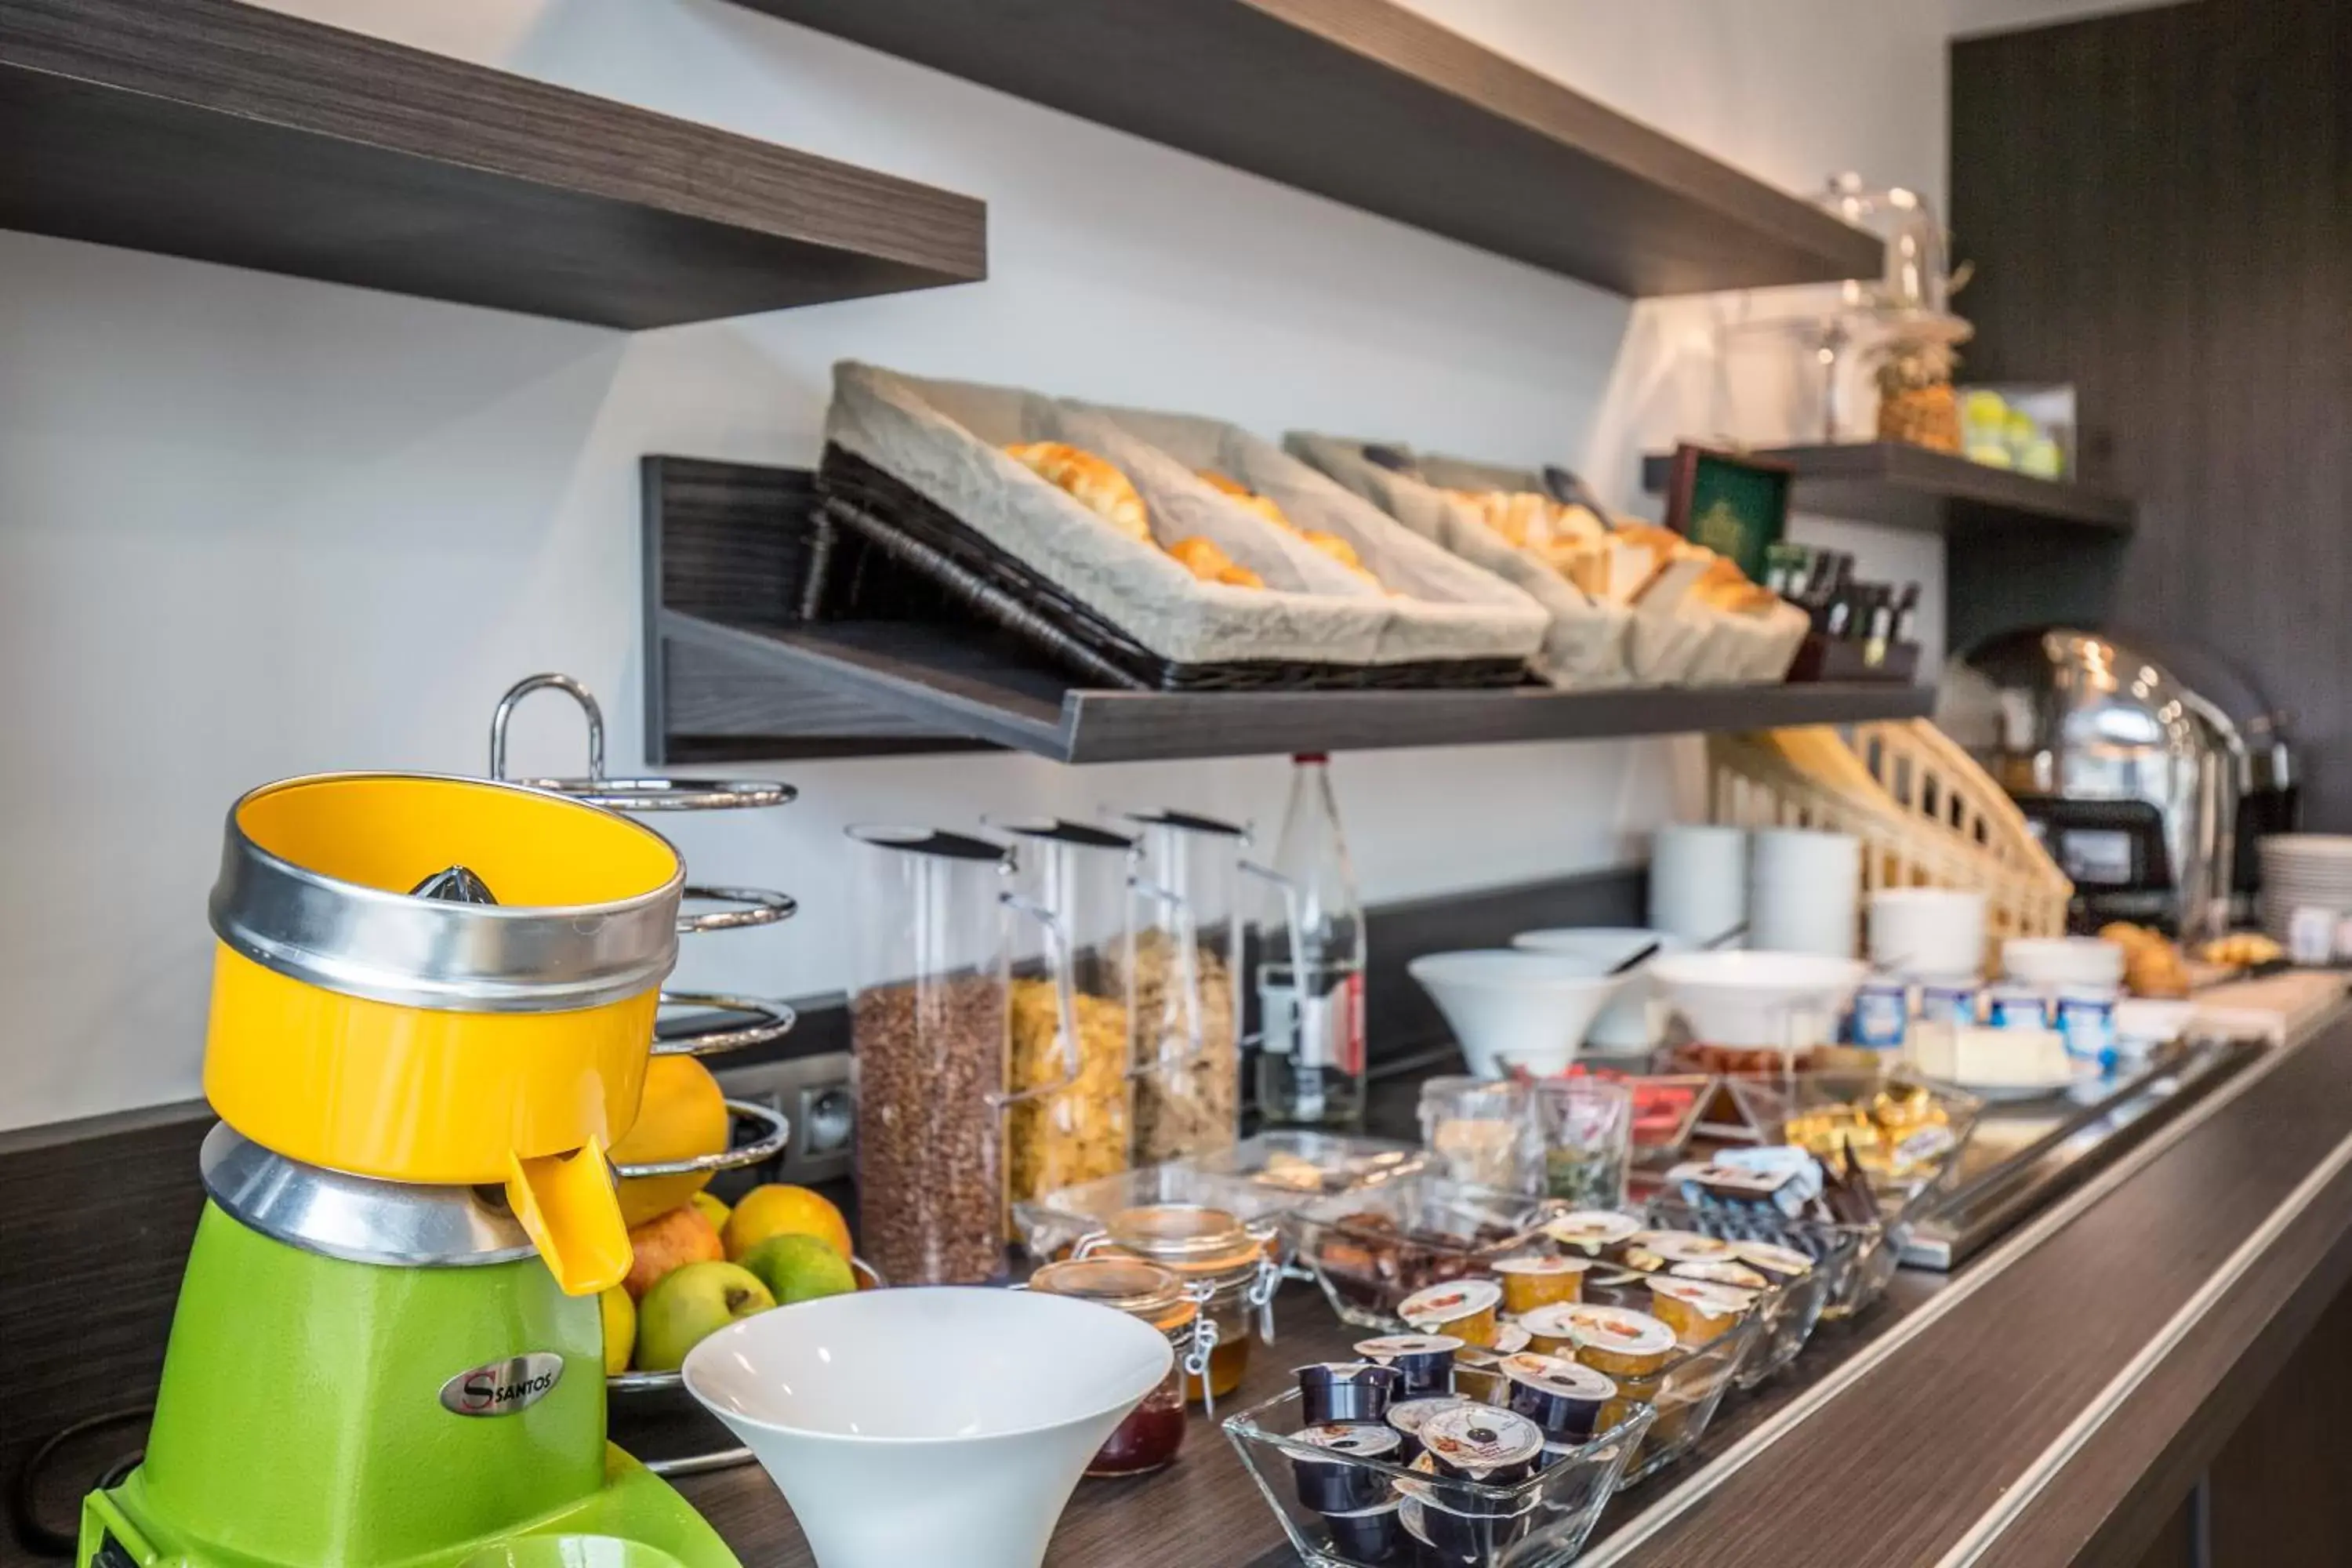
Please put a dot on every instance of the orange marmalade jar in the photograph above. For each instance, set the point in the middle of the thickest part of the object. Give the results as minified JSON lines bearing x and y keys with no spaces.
{"x":1227,"y":1267}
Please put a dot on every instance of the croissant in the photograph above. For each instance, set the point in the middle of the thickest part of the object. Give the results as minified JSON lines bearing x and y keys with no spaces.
{"x":1093,"y":481}
{"x":1244,"y":496}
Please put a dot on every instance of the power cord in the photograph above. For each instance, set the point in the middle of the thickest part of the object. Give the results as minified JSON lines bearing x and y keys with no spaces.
{"x":44,"y":1540}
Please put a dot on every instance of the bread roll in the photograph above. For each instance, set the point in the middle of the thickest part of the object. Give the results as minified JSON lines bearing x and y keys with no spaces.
{"x":1092,"y":481}
{"x":1246,"y":497}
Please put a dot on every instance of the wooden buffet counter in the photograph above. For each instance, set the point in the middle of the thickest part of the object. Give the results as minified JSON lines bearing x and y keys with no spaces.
{"x":2055,"y":1401}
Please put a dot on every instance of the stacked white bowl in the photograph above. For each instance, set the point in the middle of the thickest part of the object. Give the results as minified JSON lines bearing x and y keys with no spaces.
{"x":1804,"y":891}
{"x":1630,"y":1022}
{"x":2303,"y":871}
{"x":1928,"y":933}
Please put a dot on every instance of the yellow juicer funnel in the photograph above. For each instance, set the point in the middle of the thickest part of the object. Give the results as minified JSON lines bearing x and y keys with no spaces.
{"x":361,"y":1028}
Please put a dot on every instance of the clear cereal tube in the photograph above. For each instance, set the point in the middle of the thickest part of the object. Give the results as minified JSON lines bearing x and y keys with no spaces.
{"x":932,"y":1005}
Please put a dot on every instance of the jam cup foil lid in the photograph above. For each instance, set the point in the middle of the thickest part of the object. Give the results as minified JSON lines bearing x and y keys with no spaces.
{"x":1391,"y":1346}
{"x":1557,"y":1375}
{"x":1682,"y":1246}
{"x":1715,"y":1300}
{"x":1615,"y":1330}
{"x":1773,"y":1258}
{"x":1591,"y":1229}
{"x":1408,"y":1416}
{"x":1354,"y":1441}
{"x":1542,"y":1264}
{"x":1511,"y":1337}
{"x":1727,"y":1272}
{"x":1476,"y":1439}
{"x":1450,"y":1302}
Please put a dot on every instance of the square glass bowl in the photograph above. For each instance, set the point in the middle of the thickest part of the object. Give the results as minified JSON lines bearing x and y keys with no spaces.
{"x":1787,"y":1315}
{"x":1306,"y":1165}
{"x":1541,"y":1522}
{"x":1370,"y":1248}
{"x":1050,"y":1225}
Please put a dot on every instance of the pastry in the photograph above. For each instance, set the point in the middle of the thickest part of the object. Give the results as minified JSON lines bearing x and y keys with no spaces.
{"x":1202,"y":557}
{"x":1092,"y":481}
{"x":1244,"y":496}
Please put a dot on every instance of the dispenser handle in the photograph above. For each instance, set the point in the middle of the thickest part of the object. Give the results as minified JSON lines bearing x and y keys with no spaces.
{"x":548,"y":681}
{"x":1066,"y":1004}
{"x":571,"y":1210}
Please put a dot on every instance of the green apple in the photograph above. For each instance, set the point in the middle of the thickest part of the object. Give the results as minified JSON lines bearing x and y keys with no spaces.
{"x":687,"y":1305}
{"x":799,"y":1269}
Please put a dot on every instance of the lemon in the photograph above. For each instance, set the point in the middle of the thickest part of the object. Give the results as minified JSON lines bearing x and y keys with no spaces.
{"x":682,"y":1115}
{"x":779,"y":1210}
{"x":713,"y":1207}
{"x":620,"y":1314}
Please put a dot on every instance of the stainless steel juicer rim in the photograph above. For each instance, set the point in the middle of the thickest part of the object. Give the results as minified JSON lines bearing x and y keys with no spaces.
{"x":390,"y":947}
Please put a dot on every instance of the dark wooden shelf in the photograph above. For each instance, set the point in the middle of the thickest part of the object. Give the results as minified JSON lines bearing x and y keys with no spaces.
{"x":934,"y":678}
{"x":1904,"y":486}
{"x":224,"y":132}
{"x":734,"y":670}
{"x":1369,"y":104}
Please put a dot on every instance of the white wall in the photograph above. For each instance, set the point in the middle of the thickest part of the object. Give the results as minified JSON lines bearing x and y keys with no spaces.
{"x":253,"y":526}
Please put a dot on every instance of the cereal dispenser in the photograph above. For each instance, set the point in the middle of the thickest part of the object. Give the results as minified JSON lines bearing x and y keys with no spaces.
{"x":932,"y":993}
{"x":1188,"y":991}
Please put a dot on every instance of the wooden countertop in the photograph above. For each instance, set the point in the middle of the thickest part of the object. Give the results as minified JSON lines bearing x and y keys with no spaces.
{"x":2048,"y":1404}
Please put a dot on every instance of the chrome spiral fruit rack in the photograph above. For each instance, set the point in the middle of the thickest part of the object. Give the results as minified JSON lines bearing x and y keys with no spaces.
{"x":655,"y":1402}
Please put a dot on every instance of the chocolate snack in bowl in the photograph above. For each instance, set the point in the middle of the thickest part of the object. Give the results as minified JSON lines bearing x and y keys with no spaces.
{"x":1531,"y":1282}
{"x":1562,"y":1397}
{"x":1405,"y":1418}
{"x":1425,"y":1363}
{"x":1338,"y":1392}
{"x":1337,"y":1484}
{"x":1700,"y":1313}
{"x":1467,"y":1310}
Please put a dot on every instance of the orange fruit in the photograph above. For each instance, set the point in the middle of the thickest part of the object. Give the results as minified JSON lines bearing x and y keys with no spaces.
{"x":681,"y":1116}
{"x":779,"y":1210}
{"x":668,"y":1243}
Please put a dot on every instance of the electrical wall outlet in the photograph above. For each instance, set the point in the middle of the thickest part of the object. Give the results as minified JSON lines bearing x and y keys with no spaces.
{"x":813,"y":1091}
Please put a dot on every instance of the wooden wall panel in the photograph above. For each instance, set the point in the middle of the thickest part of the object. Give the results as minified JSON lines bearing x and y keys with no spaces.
{"x":2159,"y":206}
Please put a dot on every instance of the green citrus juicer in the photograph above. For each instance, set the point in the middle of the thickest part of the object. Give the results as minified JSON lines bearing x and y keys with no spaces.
{"x":405,"y":1369}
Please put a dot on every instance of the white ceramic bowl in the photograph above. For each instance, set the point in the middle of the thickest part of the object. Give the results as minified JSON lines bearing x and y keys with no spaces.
{"x":935,"y":1425}
{"x":1758,"y":1001}
{"x":2047,"y":960}
{"x":1627,"y":1023}
{"x":1510,"y":1008}
{"x":1927,"y":931}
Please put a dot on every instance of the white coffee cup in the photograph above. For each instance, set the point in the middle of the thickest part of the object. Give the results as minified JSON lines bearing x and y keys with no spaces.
{"x":1698,"y":880}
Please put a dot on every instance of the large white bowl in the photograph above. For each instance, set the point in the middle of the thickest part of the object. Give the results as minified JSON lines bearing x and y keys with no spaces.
{"x":1510,"y":1008}
{"x":1758,"y":1001}
{"x":1627,"y":1023}
{"x":2048,"y":960}
{"x":937,"y":1425}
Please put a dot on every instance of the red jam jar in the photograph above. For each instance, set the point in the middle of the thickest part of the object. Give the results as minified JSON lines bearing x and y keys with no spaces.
{"x":1148,"y":1439}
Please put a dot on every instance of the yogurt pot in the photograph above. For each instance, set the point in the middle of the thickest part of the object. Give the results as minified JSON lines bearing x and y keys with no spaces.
{"x":2016,"y":1007}
{"x":1466,"y":1309}
{"x":1882,"y":1006}
{"x":1949,"y":999}
{"x":1405,"y":1418}
{"x":1561,"y":1397}
{"x":1337,"y":1484}
{"x":1531,"y":1282}
{"x":1335,"y":1392}
{"x":2086,"y":1017}
{"x":1481,"y":1443}
{"x":1425,"y":1363}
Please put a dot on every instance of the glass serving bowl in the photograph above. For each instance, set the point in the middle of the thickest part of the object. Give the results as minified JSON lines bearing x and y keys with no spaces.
{"x":1052,"y":1223}
{"x":1369,"y":1250}
{"x":1541,"y":1522}
{"x":1306,"y":1165}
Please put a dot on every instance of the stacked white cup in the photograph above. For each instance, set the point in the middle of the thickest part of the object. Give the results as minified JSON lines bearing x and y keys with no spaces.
{"x":1698,"y":881}
{"x":1804,"y":891}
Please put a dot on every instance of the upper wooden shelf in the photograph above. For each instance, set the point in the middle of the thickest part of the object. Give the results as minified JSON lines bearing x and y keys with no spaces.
{"x":1369,"y":104}
{"x":1903,"y":486}
{"x":222,"y":132}
{"x":736,"y":670}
